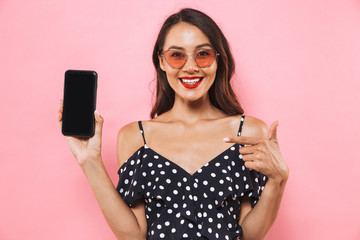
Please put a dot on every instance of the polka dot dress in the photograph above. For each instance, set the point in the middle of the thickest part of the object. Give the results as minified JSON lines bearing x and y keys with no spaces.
{"x":204,"y":205}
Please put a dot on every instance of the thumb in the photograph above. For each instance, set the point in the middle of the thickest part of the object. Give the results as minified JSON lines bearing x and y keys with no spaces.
{"x":273,"y":130}
{"x":99,"y":121}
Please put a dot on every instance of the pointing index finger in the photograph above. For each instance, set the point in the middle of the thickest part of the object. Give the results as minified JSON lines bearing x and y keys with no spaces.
{"x":243,"y":140}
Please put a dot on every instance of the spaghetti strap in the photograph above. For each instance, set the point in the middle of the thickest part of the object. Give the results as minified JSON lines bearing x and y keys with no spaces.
{"x":241,"y":124}
{"x":142,"y":131}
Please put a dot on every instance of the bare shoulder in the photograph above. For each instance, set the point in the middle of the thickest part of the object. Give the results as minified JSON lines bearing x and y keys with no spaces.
{"x":254,"y":127}
{"x":129,"y":140}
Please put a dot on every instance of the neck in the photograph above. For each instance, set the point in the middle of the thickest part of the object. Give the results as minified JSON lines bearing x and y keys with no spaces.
{"x":190,"y":112}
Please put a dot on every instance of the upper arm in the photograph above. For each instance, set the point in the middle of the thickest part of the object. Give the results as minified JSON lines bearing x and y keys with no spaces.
{"x":253,"y":127}
{"x":129,"y":140}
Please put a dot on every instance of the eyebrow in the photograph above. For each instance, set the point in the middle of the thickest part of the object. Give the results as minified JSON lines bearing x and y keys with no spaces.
{"x":198,"y":46}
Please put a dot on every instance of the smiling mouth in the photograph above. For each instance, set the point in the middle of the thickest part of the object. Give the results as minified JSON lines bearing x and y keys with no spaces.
{"x":191,"y":81}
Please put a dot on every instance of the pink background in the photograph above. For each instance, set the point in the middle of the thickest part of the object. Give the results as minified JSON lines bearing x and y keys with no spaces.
{"x":297,"y":61}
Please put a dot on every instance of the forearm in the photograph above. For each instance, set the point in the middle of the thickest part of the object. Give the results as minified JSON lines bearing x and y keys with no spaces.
{"x":117,"y":213}
{"x":259,"y":220}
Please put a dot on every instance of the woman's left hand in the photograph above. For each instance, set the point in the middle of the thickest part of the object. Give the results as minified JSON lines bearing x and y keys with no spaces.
{"x":263,"y":155}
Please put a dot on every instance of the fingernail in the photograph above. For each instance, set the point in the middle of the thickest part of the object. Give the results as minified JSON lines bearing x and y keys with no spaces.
{"x":226,"y":139}
{"x":97,"y":113}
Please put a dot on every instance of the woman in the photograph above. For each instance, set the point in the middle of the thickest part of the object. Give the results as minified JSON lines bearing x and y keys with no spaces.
{"x":179,"y":177}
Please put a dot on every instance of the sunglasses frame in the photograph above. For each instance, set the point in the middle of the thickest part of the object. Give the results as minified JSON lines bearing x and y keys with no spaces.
{"x":187,"y":57}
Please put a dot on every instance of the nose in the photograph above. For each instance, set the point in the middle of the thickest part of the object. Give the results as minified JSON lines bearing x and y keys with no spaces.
{"x":190,"y":65}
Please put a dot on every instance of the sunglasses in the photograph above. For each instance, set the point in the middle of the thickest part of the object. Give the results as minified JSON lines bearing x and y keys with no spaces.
{"x":177,"y":58}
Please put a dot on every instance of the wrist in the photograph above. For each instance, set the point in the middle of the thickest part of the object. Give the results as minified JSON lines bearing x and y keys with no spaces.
{"x":91,"y":163}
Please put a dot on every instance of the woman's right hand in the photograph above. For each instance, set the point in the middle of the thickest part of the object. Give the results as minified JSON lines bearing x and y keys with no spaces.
{"x":85,"y":149}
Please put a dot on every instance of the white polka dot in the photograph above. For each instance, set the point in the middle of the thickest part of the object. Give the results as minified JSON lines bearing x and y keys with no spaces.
{"x":232,"y":148}
{"x":174,"y":171}
{"x":156,"y":156}
{"x":205,"y":182}
{"x":212,"y":189}
{"x":162,"y":235}
{"x":175,"y":192}
{"x":226,"y":157}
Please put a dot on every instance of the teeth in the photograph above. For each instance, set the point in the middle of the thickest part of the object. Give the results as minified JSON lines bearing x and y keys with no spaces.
{"x":192,"y":81}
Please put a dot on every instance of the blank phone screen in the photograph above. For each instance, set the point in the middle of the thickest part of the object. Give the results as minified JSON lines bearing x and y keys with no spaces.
{"x":79,"y":103}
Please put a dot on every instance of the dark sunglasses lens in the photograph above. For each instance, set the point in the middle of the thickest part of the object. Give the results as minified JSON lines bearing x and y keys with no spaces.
{"x":205,"y":58}
{"x":176,"y":59}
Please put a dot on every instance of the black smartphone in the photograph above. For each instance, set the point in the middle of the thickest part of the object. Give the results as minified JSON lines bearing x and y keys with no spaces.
{"x":79,"y":104}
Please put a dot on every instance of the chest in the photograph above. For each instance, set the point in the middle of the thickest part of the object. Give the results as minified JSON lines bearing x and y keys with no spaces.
{"x":189,"y":150}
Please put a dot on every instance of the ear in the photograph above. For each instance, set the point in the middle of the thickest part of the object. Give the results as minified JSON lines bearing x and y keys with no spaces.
{"x":161,"y":62}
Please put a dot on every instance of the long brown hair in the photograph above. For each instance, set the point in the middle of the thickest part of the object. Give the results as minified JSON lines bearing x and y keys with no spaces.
{"x":221,"y":93}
